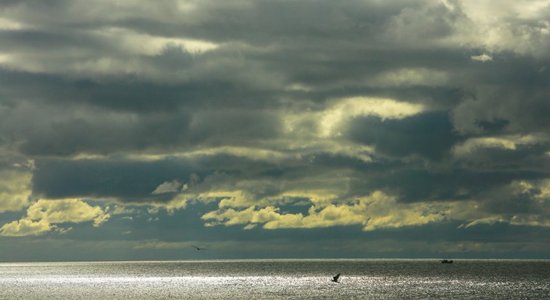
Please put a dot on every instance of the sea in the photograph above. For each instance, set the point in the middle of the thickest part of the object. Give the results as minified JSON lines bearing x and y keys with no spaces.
{"x":278,"y":279}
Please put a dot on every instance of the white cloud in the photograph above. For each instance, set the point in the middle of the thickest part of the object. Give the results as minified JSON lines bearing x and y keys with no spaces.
{"x":520,"y":26}
{"x":482,"y":57}
{"x":488,"y":11}
{"x":168,"y":187}
{"x":298,"y":87}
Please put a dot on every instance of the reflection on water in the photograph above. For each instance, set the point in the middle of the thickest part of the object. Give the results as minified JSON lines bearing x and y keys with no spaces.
{"x":264,"y":279}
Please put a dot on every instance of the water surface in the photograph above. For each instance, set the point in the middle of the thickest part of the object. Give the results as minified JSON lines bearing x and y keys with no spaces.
{"x":276,"y":279}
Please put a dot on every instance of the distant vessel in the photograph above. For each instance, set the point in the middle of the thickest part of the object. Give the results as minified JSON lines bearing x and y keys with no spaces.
{"x":446,"y":261}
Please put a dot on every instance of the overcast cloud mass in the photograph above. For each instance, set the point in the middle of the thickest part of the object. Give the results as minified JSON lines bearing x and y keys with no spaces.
{"x":361,"y":128}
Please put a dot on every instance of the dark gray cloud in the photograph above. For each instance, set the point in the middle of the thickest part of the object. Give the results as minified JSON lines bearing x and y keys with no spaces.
{"x":132,"y":180}
{"x":429,"y":135}
{"x":519,"y":106}
{"x":421,"y":184}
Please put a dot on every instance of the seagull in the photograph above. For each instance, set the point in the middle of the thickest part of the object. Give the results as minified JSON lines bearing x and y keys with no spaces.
{"x":335,"y":278}
{"x":198,"y":248}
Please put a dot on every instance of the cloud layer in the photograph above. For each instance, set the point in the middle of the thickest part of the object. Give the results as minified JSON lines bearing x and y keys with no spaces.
{"x":275,"y":117}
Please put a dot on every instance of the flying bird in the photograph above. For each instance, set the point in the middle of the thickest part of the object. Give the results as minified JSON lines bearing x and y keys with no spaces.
{"x":336,"y":278}
{"x":198,"y":248}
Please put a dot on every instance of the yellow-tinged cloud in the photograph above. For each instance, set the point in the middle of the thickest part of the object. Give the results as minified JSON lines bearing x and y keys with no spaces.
{"x":544,"y":187}
{"x":15,"y":190}
{"x":25,"y":227}
{"x":242,"y":198}
{"x":85,"y":62}
{"x":66,"y":210}
{"x":139,"y":43}
{"x":327,"y":208}
{"x":510,"y":142}
{"x":178,"y":202}
{"x":43,"y":216}
{"x":410,"y":77}
{"x":344,"y":109}
{"x":247,"y":152}
{"x":519,"y":220}
{"x":7,"y":24}
{"x":375,"y":211}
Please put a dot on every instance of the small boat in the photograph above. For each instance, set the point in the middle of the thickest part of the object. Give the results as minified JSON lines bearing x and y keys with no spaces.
{"x":446,"y":261}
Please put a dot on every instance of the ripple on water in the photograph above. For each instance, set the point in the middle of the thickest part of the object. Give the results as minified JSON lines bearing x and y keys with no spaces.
{"x":275,"y":279}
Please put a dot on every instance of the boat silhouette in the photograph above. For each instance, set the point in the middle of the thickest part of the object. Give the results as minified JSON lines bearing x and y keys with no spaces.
{"x":446,"y":261}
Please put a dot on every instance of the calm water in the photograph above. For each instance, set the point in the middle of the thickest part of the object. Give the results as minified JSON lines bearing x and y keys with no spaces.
{"x":275,"y":279}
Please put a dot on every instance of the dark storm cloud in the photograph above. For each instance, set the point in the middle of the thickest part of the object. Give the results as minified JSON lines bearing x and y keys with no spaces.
{"x":514,"y":199}
{"x":428,"y":135}
{"x":133,"y":180}
{"x":340,"y":54}
{"x":76,"y":135}
{"x":245,"y":20}
{"x":308,"y":57}
{"x":511,"y":91}
{"x":528,"y":157}
{"x":45,"y":130}
{"x":420,"y":184}
{"x":91,"y":178}
{"x":128,"y":94}
{"x":34,"y":41}
{"x":317,"y":61}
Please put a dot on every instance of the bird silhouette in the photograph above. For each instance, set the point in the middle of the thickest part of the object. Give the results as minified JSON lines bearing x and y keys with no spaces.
{"x":198,"y":248}
{"x":336,"y":278}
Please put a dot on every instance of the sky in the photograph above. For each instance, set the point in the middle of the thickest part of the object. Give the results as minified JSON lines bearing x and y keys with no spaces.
{"x":274,"y":129}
